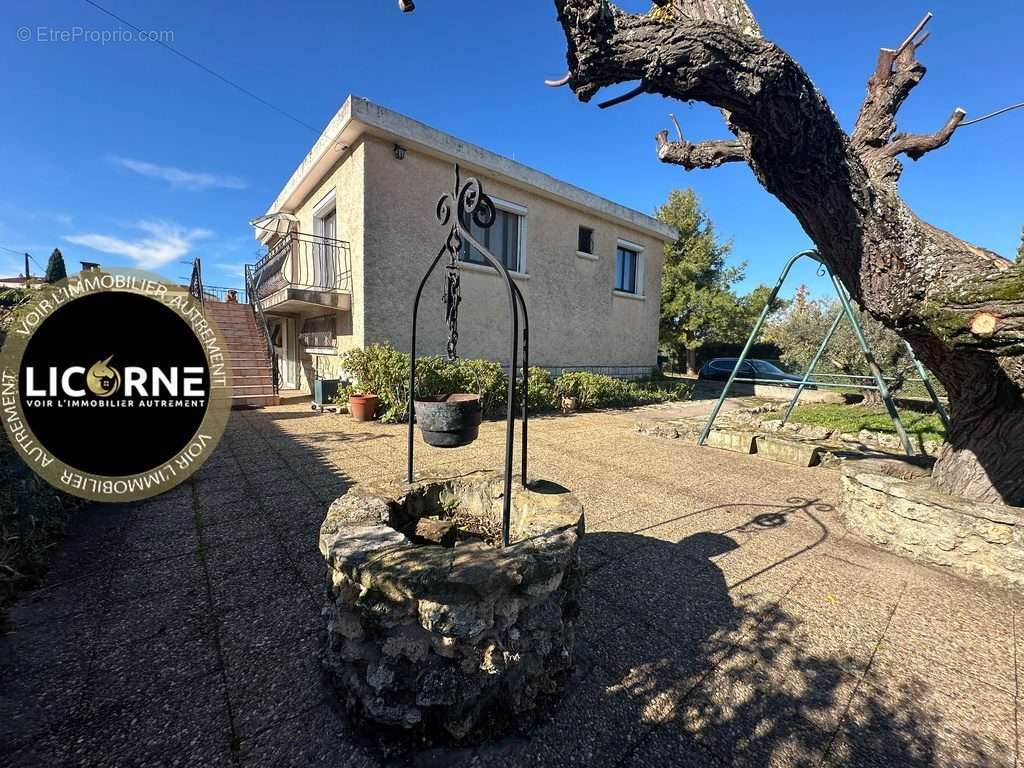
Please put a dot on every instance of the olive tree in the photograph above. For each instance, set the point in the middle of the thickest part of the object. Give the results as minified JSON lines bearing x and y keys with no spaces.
{"x":961,"y":306}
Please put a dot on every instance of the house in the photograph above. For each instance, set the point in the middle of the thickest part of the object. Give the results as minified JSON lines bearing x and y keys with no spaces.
{"x":21,"y":282}
{"x":352,"y":232}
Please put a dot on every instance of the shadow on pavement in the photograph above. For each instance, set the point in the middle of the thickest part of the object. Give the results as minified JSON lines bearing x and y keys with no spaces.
{"x":186,"y":630}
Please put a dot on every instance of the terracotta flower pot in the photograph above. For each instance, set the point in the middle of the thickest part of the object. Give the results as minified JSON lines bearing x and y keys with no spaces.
{"x":363,"y":407}
{"x":449,"y":421}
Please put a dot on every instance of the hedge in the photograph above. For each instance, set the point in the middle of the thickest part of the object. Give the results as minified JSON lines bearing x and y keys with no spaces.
{"x":382,"y":370}
{"x":593,"y":390}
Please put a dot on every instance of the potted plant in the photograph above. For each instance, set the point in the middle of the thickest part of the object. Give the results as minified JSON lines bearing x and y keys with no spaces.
{"x":367,"y":369}
{"x":363,"y":407}
{"x":569,"y":391}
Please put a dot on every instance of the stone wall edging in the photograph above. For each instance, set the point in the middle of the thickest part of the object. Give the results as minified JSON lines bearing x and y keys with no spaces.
{"x":909,"y":517}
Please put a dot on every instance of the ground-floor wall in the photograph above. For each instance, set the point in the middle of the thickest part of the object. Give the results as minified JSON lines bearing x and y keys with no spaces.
{"x":299,"y":363}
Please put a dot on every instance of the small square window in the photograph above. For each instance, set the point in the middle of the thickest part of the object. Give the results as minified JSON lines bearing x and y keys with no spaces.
{"x":585,"y":241}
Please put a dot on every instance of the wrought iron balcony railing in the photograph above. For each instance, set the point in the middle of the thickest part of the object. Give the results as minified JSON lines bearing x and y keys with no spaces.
{"x":304,"y":262}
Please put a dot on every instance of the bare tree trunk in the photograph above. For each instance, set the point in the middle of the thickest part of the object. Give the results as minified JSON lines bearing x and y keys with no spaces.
{"x":960,"y":306}
{"x":691,"y":361}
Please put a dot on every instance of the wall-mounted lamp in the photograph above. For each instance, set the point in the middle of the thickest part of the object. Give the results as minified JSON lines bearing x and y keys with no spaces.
{"x":399,"y":152}
{"x":406,"y":6}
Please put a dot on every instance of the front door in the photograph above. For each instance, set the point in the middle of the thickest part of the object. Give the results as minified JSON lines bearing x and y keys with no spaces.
{"x":282,"y":334}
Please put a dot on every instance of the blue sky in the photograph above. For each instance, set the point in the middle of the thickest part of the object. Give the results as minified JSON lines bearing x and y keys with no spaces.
{"x":122,"y":153}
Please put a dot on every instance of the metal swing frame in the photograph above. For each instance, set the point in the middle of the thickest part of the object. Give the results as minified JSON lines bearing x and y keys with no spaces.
{"x":846,"y":310}
{"x":466,"y":202}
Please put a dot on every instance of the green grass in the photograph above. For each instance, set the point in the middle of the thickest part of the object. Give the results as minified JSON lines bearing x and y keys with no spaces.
{"x":854,"y":418}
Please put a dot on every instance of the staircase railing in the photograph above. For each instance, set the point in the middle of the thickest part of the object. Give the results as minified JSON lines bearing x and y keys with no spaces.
{"x":261,"y":323}
{"x":195,"y":283}
{"x":224,"y":293}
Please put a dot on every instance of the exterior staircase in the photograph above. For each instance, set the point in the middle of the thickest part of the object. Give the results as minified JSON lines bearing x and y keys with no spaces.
{"x":252,"y":375}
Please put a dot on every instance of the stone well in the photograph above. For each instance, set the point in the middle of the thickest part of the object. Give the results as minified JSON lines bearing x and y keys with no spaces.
{"x":892,"y":503}
{"x":431,"y":624}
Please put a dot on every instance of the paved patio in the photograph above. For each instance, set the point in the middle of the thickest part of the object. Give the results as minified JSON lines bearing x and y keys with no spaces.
{"x":728,"y":619}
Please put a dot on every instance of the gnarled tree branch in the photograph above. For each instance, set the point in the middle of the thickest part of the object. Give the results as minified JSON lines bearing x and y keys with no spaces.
{"x":874,"y":136}
{"x":897,"y":72}
{"x":915,"y":146}
{"x":706,"y":154}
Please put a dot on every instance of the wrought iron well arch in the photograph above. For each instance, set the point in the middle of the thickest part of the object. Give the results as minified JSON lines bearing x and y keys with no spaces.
{"x":468,"y":201}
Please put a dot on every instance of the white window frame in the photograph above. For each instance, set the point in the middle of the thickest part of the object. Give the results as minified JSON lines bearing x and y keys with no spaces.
{"x":640,"y":269}
{"x":523,"y":213}
{"x":327,"y":204}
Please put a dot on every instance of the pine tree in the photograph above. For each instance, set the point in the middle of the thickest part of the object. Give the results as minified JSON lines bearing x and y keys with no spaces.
{"x":55,"y":271}
{"x":697,"y":302}
{"x":1020,"y":248}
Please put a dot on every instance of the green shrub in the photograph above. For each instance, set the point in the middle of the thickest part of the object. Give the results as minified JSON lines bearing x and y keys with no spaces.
{"x":32,"y":512}
{"x":12,"y":302}
{"x":540,"y":390}
{"x":682,"y":391}
{"x":591,"y":390}
{"x":594,"y":390}
{"x":382,"y":370}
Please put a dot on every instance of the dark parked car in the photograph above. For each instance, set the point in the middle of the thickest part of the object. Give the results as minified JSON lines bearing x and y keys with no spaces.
{"x":757,"y":370}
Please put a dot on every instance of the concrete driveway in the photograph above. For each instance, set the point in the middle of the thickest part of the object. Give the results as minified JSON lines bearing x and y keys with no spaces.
{"x":728,"y":619}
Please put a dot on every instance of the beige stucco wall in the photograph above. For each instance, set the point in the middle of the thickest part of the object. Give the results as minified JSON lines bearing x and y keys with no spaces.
{"x":575,"y":319}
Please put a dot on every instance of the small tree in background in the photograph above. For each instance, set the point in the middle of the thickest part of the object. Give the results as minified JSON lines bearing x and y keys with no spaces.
{"x":55,"y":271}
{"x":750,"y":308}
{"x":1020,"y":248}
{"x":800,"y":331}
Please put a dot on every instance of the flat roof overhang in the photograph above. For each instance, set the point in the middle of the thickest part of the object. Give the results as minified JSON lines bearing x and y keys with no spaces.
{"x":359,"y":116}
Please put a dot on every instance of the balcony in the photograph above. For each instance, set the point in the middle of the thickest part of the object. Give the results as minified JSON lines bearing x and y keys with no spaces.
{"x":301,"y":273}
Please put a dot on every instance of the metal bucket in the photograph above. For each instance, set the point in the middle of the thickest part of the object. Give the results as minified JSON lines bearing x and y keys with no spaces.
{"x":449,"y":421}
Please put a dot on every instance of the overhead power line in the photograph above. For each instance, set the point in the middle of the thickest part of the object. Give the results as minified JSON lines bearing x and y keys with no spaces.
{"x":208,"y":70}
{"x":16,"y":252}
{"x":992,"y":114}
